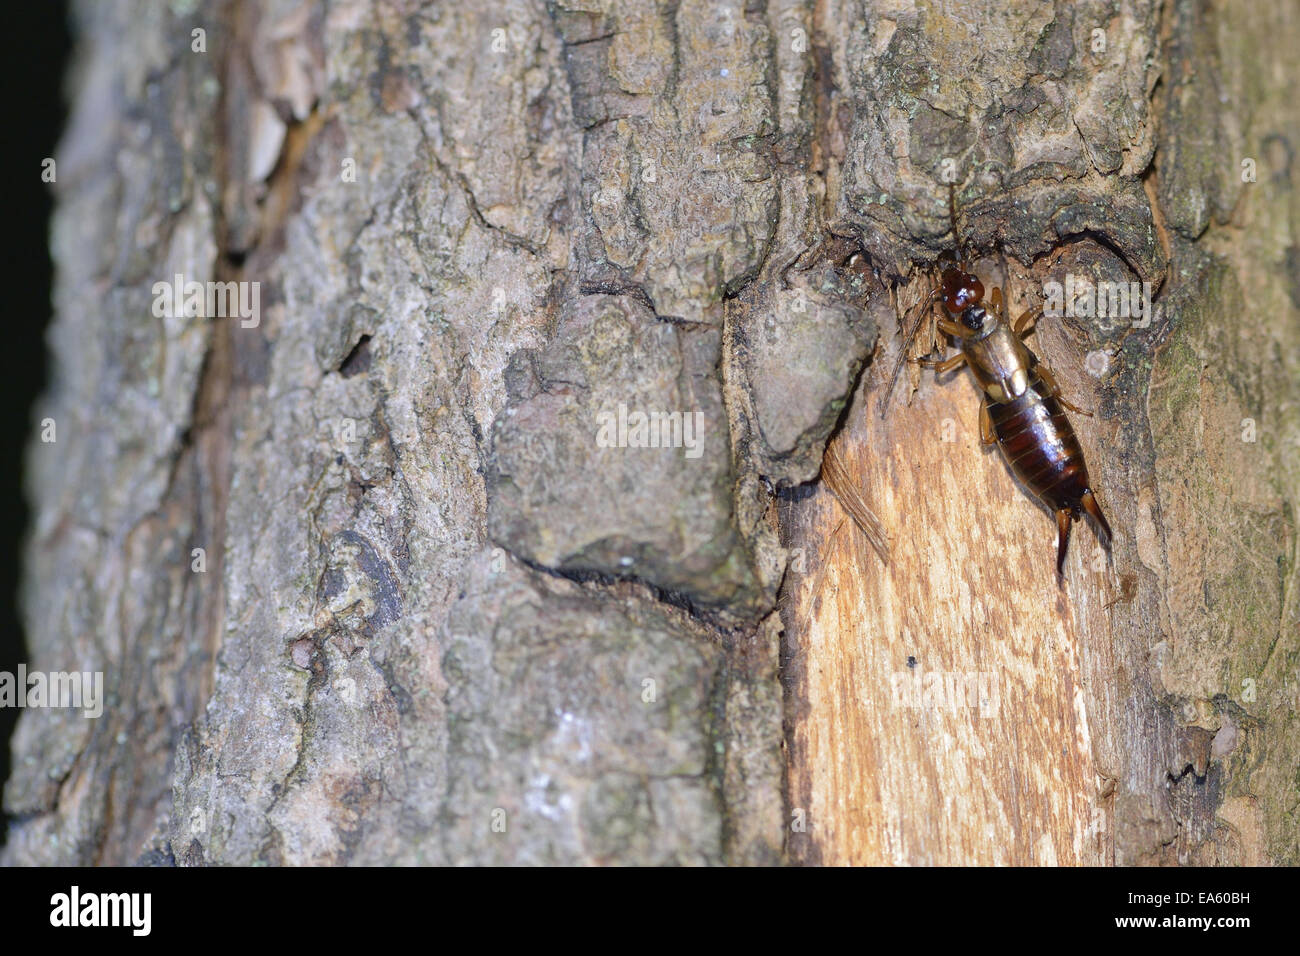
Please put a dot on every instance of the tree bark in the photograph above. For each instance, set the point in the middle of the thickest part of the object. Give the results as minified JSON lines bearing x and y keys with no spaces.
{"x":956,"y":706}
{"x":386,"y":577}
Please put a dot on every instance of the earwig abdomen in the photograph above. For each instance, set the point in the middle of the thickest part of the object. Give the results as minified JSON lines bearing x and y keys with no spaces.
{"x":1038,"y":443}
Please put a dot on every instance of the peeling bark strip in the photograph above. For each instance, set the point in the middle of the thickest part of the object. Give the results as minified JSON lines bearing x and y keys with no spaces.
{"x":369,"y":583}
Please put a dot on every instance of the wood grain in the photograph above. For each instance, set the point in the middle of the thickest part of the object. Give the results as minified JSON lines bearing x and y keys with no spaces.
{"x":891,"y":765}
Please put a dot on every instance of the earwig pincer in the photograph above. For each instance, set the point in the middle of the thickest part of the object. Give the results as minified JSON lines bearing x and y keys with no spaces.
{"x":1021,"y":408}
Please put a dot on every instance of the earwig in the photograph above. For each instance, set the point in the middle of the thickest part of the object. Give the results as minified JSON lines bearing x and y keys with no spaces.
{"x":1021,"y":406}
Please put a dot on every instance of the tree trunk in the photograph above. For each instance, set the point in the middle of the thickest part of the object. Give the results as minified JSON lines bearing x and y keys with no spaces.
{"x":496,"y":535}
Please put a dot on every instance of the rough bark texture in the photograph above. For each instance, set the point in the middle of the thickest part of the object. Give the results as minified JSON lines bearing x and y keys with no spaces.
{"x":440,"y":622}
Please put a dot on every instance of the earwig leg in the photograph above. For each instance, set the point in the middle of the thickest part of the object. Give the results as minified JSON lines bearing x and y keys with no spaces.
{"x":1090,"y":505}
{"x":947,"y":365}
{"x":1049,"y":380}
{"x":1025,"y":324}
{"x":1063,"y":522}
{"x":995,"y":301}
{"x":986,"y":425}
{"x":955,"y":330}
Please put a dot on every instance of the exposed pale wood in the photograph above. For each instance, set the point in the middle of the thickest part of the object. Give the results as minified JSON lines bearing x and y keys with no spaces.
{"x":970,"y":593}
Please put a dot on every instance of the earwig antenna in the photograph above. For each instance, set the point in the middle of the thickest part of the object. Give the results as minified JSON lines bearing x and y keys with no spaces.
{"x":925,"y":304}
{"x":921,"y":309}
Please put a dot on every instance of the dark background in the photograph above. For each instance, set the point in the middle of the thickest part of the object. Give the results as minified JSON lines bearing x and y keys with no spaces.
{"x":36,"y":48}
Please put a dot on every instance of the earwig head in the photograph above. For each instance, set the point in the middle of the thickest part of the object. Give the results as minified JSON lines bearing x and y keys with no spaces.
{"x":960,"y":291}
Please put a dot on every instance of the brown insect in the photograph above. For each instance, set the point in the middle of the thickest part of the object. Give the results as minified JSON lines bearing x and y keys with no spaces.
{"x":1022,"y":404}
